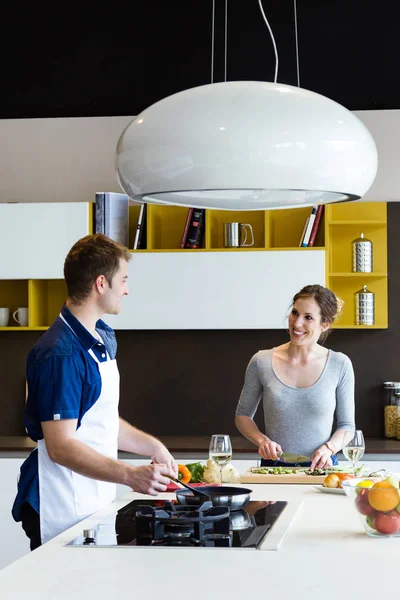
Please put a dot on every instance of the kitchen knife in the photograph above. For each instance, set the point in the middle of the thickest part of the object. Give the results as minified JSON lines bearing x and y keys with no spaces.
{"x":293,"y":458}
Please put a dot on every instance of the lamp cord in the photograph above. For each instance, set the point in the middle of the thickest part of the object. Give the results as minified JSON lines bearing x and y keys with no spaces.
{"x":212,"y":40}
{"x":273,"y":41}
{"x":226,"y":39}
{"x":297,"y":43}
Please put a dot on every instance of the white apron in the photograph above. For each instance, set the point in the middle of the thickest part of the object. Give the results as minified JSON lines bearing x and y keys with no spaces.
{"x":65,"y":497}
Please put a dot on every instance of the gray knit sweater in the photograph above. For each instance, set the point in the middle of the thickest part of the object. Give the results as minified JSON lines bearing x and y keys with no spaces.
{"x":300,"y":419}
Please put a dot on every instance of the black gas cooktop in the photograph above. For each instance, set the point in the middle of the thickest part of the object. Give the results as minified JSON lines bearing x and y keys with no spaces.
{"x":160,"y":523}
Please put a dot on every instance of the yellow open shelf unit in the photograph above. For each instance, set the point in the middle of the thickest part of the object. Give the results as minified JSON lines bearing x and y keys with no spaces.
{"x":273,"y":230}
{"x":43,"y":297}
{"x":343,"y":224}
{"x":46,"y":296}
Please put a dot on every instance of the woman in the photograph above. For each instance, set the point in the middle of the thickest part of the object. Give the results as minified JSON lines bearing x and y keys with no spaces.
{"x":303,"y":385}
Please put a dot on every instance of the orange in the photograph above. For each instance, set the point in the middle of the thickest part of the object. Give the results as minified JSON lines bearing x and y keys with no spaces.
{"x":383,"y":496}
{"x":343,"y":477}
{"x":332,"y":481}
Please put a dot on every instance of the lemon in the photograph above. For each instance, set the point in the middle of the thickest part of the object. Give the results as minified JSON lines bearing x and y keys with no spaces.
{"x":367,"y":483}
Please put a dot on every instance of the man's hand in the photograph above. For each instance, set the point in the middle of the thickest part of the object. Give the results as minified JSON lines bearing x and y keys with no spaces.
{"x":163,"y":456}
{"x":149,"y":479}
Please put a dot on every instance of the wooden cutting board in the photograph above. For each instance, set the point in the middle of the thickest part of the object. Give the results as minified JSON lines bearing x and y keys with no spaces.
{"x":297,"y":478}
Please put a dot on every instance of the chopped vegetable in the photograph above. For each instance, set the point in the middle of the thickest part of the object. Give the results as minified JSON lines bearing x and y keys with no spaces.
{"x":230,"y":474}
{"x":184,"y":474}
{"x":197,"y":471}
{"x":211,"y":472}
{"x":276,"y":470}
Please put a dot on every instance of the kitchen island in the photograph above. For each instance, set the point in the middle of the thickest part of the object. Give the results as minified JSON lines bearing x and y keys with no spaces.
{"x":324,"y":555}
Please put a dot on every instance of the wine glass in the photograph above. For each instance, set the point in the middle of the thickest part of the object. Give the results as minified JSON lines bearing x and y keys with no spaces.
{"x":353,"y":446}
{"x":220,"y":451}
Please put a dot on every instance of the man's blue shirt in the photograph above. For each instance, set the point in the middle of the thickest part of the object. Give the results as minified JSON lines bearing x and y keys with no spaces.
{"x":63,"y":383}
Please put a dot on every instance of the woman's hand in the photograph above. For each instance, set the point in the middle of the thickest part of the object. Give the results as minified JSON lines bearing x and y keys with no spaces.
{"x":321,"y":459}
{"x":269,"y":450}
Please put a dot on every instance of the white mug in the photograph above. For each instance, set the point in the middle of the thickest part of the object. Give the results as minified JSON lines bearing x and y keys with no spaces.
{"x":21,"y":316}
{"x":4,"y":316}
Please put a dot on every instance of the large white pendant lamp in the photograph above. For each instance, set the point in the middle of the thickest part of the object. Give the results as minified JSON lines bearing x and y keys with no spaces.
{"x":246,"y":145}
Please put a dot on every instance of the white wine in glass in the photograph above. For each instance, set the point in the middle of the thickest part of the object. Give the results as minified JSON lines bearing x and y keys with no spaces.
{"x":354,"y":447}
{"x":220,"y":451}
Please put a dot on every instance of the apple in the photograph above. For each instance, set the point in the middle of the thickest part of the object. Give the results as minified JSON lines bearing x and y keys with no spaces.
{"x":394,"y":482}
{"x":371,"y":521}
{"x":387,"y":523}
{"x":362,"y":504}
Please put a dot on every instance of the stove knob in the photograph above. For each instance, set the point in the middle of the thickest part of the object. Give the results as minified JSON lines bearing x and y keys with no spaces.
{"x":89,"y":536}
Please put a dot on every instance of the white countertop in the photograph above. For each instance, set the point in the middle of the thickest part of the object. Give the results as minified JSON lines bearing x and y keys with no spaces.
{"x":325,"y":534}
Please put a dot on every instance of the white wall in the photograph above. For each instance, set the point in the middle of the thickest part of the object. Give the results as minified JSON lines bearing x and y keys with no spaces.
{"x":58,"y":160}
{"x":69,"y":159}
{"x":384,"y":126}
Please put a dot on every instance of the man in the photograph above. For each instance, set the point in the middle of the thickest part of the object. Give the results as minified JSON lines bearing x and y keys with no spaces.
{"x":72,"y":404}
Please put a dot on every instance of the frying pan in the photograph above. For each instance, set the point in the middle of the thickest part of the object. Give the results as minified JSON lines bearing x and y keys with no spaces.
{"x":232,"y":497}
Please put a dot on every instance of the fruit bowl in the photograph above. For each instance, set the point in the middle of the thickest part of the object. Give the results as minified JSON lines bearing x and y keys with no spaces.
{"x":377,"y":503}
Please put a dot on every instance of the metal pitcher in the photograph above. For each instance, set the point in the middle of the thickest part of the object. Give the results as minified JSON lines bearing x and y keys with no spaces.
{"x":362,"y":255}
{"x":364,"y":301}
{"x":235,"y":235}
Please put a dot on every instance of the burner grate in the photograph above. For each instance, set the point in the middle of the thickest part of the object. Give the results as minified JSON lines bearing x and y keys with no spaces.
{"x":179,"y":525}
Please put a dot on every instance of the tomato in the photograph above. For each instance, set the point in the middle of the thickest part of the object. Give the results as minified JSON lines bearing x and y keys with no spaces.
{"x":362,"y":504}
{"x":387,"y":523}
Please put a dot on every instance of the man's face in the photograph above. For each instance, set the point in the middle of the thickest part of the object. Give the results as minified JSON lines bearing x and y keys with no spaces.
{"x":118,"y":289}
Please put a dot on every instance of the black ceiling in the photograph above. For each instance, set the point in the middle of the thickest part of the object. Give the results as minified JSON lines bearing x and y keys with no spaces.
{"x":119,"y":59}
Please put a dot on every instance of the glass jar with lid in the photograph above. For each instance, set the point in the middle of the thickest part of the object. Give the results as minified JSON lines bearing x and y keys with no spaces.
{"x":398,"y":415}
{"x":390,"y":410}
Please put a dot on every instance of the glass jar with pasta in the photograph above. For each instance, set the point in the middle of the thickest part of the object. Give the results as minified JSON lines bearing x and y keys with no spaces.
{"x":398,"y":415}
{"x":390,"y":409}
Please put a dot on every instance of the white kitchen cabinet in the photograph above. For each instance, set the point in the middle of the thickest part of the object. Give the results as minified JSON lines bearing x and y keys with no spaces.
{"x":215,"y":290}
{"x":36,"y":237}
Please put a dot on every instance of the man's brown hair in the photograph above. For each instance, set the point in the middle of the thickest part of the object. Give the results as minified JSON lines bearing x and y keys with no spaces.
{"x":89,"y":257}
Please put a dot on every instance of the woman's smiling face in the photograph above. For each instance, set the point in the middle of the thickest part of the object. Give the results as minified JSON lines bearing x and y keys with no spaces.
{"x":305,"y":326}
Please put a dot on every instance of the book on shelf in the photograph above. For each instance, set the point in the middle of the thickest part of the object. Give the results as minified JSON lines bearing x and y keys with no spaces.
{"x":140,"y":242}
{"x":303,"y":232}
{"x":112,"y":216}
{"x":195,"y":231}
{"x":187,"y":223}
{"x":316,"y":223}
{"x":309,"y":227}
{"x":99,"y":214}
